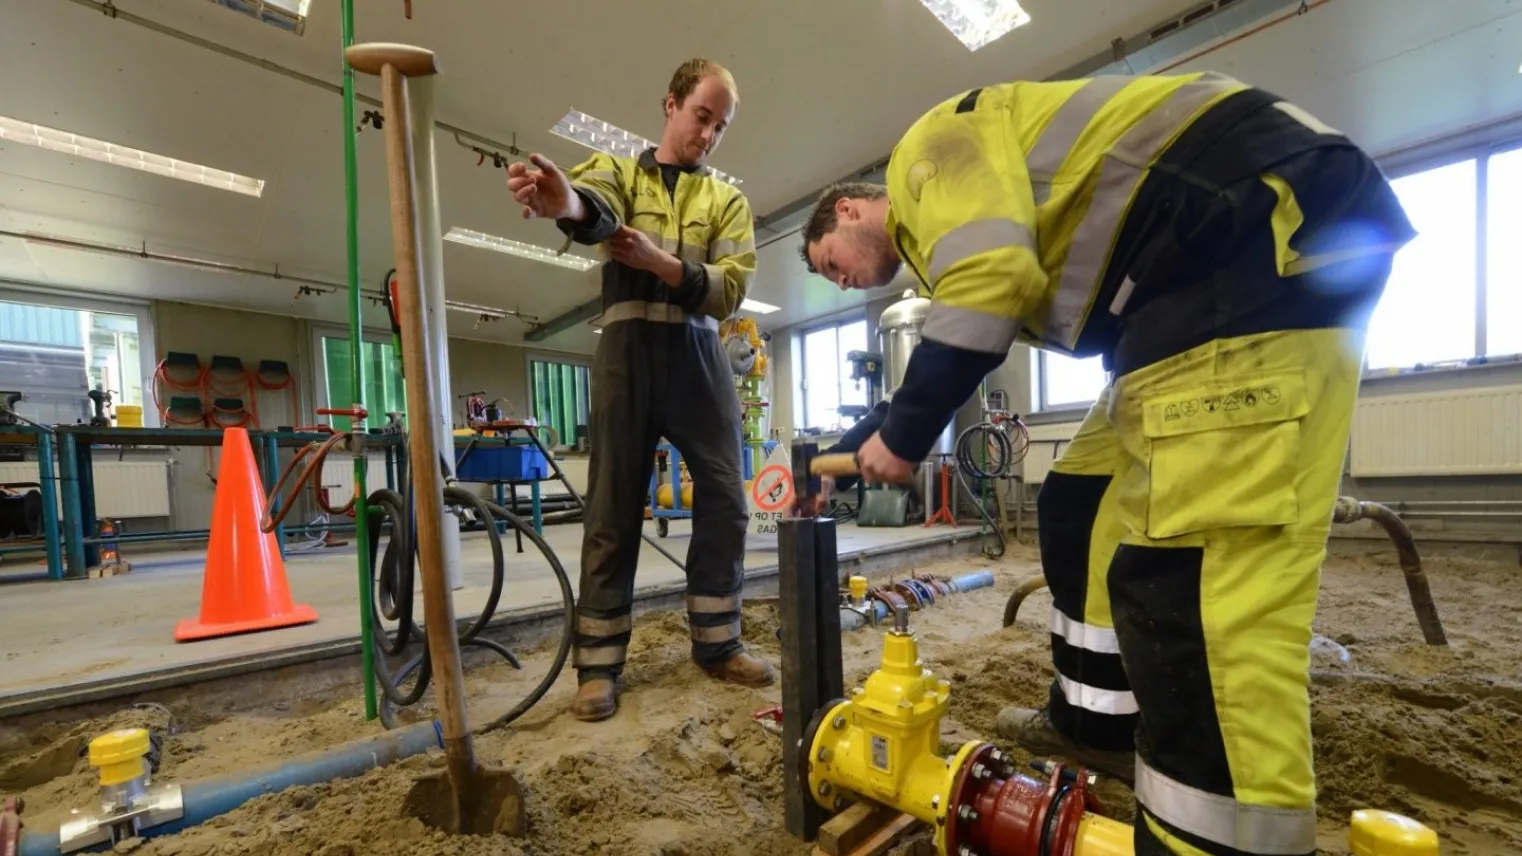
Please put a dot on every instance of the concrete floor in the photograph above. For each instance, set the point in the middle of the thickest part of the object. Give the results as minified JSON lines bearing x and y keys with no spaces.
{"x":74,"y":639}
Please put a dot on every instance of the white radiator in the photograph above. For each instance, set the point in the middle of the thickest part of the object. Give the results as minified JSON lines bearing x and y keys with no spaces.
{"x":338,"y":475}
{"x":1047,"y":443}
{"x":123,"y":489}
{"x":1461,"y":432}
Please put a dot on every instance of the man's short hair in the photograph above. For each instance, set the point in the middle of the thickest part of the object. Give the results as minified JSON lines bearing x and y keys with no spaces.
{"x":823,"y":219}
{"x":690,"y":73}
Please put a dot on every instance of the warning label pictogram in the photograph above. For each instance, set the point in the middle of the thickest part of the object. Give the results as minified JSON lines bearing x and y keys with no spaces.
{"x":772,"y":488}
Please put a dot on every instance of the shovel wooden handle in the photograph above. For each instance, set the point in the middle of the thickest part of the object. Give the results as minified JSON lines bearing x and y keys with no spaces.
{"x":841,"y":464}
{"x":428,"y":485}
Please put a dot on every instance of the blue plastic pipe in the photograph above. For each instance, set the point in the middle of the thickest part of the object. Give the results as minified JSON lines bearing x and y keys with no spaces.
{"x":850,"y":619}
{"x":209,"y":798}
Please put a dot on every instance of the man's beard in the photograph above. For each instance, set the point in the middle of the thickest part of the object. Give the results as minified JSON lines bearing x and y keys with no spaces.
{"x":888,"y":262}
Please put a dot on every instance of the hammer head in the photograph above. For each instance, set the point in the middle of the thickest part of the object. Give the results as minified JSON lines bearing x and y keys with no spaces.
{"x":805,"y":482}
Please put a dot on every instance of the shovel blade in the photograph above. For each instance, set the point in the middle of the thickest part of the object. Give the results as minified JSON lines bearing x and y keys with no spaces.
{"x":489,"y":802}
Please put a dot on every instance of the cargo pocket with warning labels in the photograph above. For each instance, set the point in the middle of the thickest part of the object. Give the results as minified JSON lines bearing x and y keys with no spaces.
{"x":1224,"y":454}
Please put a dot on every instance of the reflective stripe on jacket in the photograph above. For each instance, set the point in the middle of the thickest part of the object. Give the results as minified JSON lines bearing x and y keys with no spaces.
{"x":705,"y":222}
{"x":1007,"y":201}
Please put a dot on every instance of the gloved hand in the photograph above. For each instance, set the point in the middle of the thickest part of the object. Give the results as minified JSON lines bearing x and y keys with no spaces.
{"x":544,"y":192}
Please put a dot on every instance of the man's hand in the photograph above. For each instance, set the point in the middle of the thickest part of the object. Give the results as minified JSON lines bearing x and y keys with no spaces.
{"x":543,"y":192}
{"x":880,"y":466}
{"x":635,"y":249}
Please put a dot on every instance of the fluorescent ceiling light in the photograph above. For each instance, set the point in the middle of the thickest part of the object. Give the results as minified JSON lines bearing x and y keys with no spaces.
{"x":289,"y":15}
{"x":601,"y":136}
{"x":51,"y":139}
{"x":758,"y":307}
{"x":977,"y":22}
{"x":518,"y":248}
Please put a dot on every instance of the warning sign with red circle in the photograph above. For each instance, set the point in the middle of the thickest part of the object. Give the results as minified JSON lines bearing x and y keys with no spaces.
{"x":772,"y":488}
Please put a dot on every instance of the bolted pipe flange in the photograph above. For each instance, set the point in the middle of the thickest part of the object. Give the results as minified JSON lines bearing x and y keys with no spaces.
{"x":967,"y":813}
{"x":824,"y":754}
{"x":838,"y":723}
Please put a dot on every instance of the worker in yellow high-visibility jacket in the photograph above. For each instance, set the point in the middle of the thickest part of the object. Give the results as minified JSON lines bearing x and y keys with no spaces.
{"x":1222,"y":249}
{"x":680,"y":247}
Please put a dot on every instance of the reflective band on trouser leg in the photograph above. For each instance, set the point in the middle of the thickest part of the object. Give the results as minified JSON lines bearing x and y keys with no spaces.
{"x":715,"y":623}
{"x":1090,"y":700}
{"x":1218,"y":820}
{"x":1120,"y":176}
{"x":1214,"y":588}
{"x":979,"y":236}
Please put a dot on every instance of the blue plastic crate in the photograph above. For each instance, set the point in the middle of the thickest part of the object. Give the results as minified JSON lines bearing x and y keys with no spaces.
{"x":504,"y":463}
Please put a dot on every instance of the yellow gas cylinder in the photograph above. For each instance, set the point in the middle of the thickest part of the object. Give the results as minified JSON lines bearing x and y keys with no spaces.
{"x":1384,"y":833}
{"x":663,"y":495}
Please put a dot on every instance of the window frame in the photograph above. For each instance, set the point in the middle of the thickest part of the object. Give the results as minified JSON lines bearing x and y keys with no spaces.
{"x":802,"y":335}
{"x":141,"y":310}
{"x":319,"y":380}
{"x":1039,"y":389}
{"x":532,"y":356}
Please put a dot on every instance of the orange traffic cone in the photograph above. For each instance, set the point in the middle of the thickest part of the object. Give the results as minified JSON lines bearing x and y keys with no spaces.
{"x":244,"y":588}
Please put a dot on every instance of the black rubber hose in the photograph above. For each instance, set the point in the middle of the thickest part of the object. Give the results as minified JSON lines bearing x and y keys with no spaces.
{"x":967,"y":465}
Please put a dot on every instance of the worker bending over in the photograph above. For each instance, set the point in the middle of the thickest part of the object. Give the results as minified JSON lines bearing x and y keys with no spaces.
{"x":682,"y":251}
{"x":1222,"y":250}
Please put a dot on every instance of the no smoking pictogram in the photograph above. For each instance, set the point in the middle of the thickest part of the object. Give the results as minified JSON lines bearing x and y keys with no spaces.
{"x":772,"y":489}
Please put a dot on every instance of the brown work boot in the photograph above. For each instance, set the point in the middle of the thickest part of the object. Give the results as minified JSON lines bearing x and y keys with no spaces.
{"x":596,"y":700}
{"x":1034,"y":731}
{"x":742,"y":668}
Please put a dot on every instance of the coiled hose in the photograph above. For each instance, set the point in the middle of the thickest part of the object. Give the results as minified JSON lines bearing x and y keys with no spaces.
{"x":393,"y":579}
{"x":986,"y":452}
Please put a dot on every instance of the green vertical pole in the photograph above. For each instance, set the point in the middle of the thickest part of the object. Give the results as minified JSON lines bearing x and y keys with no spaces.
{"x":983,"y":483}
{"x":357,"y":368}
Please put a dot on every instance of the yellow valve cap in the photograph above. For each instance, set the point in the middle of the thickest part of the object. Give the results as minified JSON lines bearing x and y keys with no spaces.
{"x":1384,"y":833}
{"x":858,"y":587}
{"x":119,"y":755}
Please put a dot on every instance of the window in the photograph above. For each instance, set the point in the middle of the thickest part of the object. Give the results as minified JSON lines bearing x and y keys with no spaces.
{"x":55,"y":350}
{"x":1503,"y":254}
{"x":827,"y":384}
{"x":1410,"y":327}
{"x":1067,"y":382}
{"x":385,"y":388}
{"x":1452,"y":296}
{"x":562,"y":397}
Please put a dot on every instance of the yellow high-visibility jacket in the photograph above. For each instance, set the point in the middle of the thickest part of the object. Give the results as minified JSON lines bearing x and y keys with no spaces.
{"x":706,"y":223}
{"x":1006,"y":202}
{"x":1011,"y":203}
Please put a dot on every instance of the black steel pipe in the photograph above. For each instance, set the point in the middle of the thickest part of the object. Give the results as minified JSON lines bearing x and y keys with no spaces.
{"x":1350,"y":510}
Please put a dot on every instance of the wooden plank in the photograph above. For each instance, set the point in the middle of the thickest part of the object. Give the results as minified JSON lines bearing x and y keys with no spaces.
{"x":846,"y":831}
{"x":882,"y":839}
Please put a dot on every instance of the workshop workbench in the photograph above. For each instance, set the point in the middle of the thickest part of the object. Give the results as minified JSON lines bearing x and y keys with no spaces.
{"x":42,"y":440}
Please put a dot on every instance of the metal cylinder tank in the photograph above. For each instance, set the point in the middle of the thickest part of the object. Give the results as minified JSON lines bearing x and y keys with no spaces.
{"x":898,"y":333}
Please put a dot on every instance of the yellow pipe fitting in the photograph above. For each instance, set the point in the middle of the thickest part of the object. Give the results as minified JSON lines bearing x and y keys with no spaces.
{"x":119,"y":755}
{"x":858,"y":588}
{"x":1384,"y":833}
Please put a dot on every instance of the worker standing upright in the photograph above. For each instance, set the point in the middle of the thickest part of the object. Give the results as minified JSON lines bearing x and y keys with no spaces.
{"x":681,"y":248}
{"x":1222,"y":250}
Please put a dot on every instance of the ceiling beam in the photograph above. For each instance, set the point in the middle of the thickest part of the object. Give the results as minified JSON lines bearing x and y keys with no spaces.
{"x":565,"y":321}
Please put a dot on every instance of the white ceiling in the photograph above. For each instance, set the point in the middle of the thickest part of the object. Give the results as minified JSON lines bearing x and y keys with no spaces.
{"x":1390,"y":72}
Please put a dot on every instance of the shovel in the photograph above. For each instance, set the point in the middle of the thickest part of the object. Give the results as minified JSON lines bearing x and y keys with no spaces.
{"x":465,"y":798}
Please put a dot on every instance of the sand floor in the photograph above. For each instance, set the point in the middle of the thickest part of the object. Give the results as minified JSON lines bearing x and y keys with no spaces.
{"x":683,"y":771}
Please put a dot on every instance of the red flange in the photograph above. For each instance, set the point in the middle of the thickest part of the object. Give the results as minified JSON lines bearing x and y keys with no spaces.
{"x":996,"y":811}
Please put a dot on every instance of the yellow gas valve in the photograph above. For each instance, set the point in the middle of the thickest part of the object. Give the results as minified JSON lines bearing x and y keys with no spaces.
{"x":884,"y":743}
